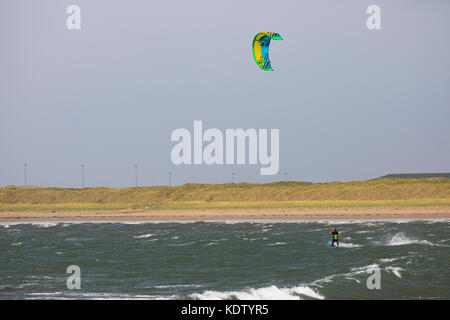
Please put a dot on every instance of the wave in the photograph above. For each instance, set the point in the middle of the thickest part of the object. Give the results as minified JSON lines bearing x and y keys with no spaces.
{"x":401,"y":239}
{"x":44,"y":224}
{"x":178,"y":286}
{"x":349,"y":245}
{"x":96,"y":296}
{"x":214,"y":242}
{"x":394,"y":270}
{"x":339,"y":222}
{"x":365,"y":269}
{"x":386,"y":260}
{"x":277,"y":244}
{"x":370,"y":224}
{"x":266,"y":293}
{"x":147,"y":235}
{"x":348,"y":275}
{"x":254,"y":239}
{"x":358,"y":271}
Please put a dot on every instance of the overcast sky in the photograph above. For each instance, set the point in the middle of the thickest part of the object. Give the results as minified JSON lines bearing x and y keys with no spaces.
{"x":350,"y":103}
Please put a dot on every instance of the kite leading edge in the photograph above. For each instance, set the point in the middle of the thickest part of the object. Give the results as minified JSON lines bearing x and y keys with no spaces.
{"x":260,"y":47}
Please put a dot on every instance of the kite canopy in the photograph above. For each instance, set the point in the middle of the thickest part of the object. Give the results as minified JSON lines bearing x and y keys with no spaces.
{"x":261,"y":44}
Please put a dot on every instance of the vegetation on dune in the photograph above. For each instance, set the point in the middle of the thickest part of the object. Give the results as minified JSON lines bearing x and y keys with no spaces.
{"x":286,"y":194}
{"x":230,"y":205}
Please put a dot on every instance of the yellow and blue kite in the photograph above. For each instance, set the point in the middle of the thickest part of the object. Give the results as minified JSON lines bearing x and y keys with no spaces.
{"x":261,"y":44}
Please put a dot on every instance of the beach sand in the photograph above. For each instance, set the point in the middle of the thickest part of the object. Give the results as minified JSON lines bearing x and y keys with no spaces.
{"x":361,"y":213}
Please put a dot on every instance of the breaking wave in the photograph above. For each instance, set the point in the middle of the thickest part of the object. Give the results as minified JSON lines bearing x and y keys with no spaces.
{"x":144,"y":236}
{"x":266,"y":293}
{"x":400,"y":239}
{"x":349,"y":245}
{"x":394,"y":270}
{"x":277,"y":244}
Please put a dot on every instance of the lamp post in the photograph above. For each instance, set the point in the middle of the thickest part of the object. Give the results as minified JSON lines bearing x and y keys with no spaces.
{"x":82,"y":176}
{"x":232,"y":177}
{"x":135,"y":174}
{"x":25,"y":173}
{"x":285,"y":176}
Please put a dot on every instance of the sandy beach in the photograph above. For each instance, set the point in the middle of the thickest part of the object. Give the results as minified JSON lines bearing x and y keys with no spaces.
{"x":416,"y":213}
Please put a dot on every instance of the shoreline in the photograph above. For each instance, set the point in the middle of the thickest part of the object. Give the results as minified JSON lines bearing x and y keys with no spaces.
{"x":306,"y":214}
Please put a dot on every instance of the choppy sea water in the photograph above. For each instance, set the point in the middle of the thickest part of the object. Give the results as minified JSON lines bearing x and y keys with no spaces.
{"x":226,"y":260}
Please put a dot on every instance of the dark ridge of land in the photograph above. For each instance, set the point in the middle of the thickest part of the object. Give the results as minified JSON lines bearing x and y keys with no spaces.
{"x":416,"y":175}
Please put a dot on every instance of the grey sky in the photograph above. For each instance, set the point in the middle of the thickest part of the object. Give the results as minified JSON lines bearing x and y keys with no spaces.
{"x":350,"y":103}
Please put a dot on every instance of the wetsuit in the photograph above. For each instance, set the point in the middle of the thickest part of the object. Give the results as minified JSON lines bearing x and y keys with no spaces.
{"x":335,"y":235}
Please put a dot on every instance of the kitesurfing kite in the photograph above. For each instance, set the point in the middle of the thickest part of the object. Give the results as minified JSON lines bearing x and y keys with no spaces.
{"x":261,"y":44}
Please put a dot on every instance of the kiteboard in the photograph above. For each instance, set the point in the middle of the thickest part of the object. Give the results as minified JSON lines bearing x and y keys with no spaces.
{"x":334,"y":246}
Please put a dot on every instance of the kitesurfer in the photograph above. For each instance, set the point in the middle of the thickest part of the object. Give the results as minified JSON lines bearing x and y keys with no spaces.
{"x":335,"y":235}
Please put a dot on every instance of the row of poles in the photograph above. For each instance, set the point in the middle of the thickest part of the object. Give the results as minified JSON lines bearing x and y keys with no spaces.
{"x":25,"y":166}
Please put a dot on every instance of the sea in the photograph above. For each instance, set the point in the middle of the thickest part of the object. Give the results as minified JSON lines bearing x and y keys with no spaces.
{"x":281,"y":260}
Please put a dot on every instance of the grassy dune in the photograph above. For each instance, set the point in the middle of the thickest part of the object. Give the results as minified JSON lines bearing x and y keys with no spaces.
{"x":376,"y":192}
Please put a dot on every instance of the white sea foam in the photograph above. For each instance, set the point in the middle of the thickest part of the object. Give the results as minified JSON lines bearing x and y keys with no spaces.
{"x":213,"y":242}
{"x":400,"y":239}
{"x":350,"y":278}
{"x":266,"y":293}
{"x":367,"y":222}
{"x":147,"y":235}
{"x":256,"y":239}
{"x":349,"y":275}
{"x":327,"y":279}
{"x":186,"y":243}
{"x":394,"y":270}
{"x":349,"y":245}
{"x":97,"y":296}
{"x":365,"y":269}
{"x":45,"y":293}
{"x":358,"y":271}
{"x":388,"y":260}
{"x":178,"y":286}
{"x":339,"y":222}
{"x":44,"y":224}
{"x":277,"y":244}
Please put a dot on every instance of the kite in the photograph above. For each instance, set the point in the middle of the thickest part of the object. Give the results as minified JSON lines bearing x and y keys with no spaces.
{"x":261,"y":44}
